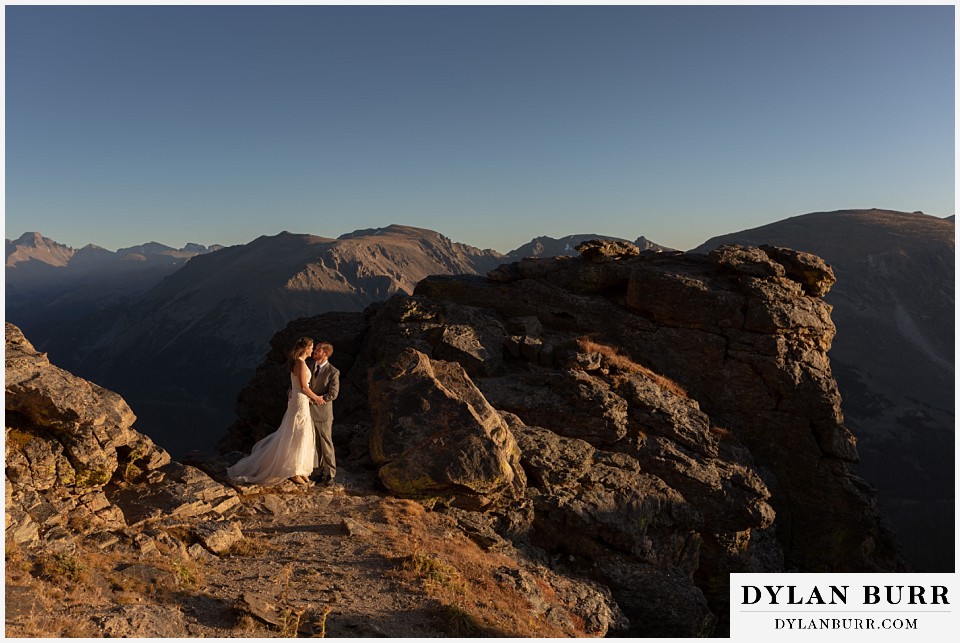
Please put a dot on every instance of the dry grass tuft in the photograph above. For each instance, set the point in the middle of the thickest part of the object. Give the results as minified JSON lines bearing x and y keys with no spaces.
{"x":15,"y":558}
{"x":432,"y":572}
{"x":50,"y":582}
{"x":246,"y":623}
{"x":720,"y":432}
{"x":60,"y":567}
{"x":459,"y":622}
{"x":612,"y":358}
{"x":433,"y":558}
{"x":320,"y":621}
{"x":186,"y":573}
{"x":250,"y":547}
{"x":290,"y":622}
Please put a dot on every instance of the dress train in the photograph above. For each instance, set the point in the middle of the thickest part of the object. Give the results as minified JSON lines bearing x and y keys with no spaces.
{"x":289,"y":451}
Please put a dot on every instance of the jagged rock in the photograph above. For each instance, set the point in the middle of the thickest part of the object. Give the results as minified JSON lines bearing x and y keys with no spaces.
{"x":20,"y":527}
{"x":185,"y":492}
{"x":549,"y":460}
{"x":604,"y":501}
{"x":218,"y":537}
{"x":144,"y":621}
{"x":434,"y":435}
{"x":553,"y":399}
{"x":471,"y":338}
{"x":66,"y":437}
{"x":587,"y":601}
{"x":261,"y":607}
{"x":355,"y":528}
{"x":69,"y":416}
{"x":77,"y":468}
{"x":747,"y":260}
{"x":602,"y":249}
{"x":479,"y":528}
{"x":810,"y":271}
{"x":738,"y":331}
{"x":663,"y":603}
{"x":893,"y":356}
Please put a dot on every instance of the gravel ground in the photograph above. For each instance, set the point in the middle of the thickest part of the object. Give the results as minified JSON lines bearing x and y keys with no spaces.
{"x":316,"y":562}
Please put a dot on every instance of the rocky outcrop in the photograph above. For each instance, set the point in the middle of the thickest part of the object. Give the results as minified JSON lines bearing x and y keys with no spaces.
{"x":77,"y":470}
{"x":747,"y":337}
{"x":541,"y":247}
{"x":893,"y":357}
{"x":675,"y":416}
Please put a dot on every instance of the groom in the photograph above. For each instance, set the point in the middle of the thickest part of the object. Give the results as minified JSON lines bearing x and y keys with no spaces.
{"x":325,"y":382}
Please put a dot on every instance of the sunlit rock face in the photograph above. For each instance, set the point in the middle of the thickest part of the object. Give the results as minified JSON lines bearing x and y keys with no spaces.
{"x":77,"y":471}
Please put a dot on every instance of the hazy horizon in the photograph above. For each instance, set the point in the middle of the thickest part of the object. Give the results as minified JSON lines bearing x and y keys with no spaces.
{"x":181,"y":245}
{"x":489,"y":124}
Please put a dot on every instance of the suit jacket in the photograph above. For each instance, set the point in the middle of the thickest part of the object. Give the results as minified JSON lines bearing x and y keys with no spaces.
{"x":327,"y":385}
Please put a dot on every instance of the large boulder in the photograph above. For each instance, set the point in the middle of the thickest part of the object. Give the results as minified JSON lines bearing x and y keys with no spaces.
{"x":434,"y":435}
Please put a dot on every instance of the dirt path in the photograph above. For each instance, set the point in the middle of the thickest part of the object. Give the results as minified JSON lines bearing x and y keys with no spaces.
{"x":318,"y":558}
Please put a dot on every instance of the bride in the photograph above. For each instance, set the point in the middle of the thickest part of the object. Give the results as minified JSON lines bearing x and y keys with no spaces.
{"x":290,"y":451}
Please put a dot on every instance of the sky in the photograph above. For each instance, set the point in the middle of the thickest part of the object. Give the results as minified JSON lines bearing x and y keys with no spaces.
{"x":489,"y":124}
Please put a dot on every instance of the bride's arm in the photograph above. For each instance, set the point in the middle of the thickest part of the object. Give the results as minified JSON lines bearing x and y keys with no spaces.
{"x":303,"y":374}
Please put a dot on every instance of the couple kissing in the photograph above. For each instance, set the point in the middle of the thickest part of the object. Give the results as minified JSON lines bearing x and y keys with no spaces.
{"x":304,"y":440}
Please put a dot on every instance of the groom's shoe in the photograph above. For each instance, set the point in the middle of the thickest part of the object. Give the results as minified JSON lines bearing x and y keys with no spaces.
{"x":327,"y":481}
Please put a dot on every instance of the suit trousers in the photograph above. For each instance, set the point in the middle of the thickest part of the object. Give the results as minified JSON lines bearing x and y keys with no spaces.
{"x":328,"y":459}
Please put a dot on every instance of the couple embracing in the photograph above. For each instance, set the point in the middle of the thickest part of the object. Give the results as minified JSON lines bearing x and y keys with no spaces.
{"x":304,"y":440}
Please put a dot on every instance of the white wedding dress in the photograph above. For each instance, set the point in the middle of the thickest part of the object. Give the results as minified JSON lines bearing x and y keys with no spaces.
{"x":289,"y":451}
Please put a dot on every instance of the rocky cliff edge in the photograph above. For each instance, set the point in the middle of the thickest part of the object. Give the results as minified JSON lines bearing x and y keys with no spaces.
{"x":106,"y":536}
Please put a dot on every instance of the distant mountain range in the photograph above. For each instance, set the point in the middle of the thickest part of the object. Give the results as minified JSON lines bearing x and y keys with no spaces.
{"x":48,"y":282}
{"x":893,"y":356}
{"x":179,"y":341}
{"x":179,"y":333}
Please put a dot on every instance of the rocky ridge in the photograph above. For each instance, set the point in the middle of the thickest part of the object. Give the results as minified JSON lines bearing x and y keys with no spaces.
{"x":106,"y":536}
{"x":651,"y":421}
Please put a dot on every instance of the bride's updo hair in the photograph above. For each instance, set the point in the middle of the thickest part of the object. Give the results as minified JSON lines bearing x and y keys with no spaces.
{"x":300,"y":349}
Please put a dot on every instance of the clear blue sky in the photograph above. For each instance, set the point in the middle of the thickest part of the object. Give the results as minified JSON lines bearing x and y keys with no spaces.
{"x":489,"y":124}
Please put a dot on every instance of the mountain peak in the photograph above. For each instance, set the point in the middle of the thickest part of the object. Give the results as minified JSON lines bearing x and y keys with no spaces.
{"x":149,"y":248}
{"x":33,"y":246}
{"x":394,"y":229}
{"x":32,"y":239}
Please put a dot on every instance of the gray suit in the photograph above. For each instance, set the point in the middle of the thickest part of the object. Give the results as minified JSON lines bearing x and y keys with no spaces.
{"x":326,"y":384}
